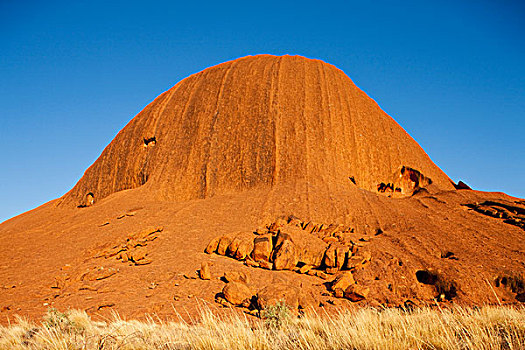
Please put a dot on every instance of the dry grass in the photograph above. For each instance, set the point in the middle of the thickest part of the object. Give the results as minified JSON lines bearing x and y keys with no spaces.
{"x":459,"y":328}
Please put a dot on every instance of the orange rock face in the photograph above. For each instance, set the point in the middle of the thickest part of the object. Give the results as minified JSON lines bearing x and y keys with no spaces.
{"x":257,"y":122}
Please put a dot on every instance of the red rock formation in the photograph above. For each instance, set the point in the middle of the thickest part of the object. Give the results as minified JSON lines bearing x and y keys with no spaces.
{"x":215,"y":164}
{"x":255,"y":122}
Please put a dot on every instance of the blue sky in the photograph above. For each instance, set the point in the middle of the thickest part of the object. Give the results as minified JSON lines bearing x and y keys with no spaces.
{"x":73,"y":73}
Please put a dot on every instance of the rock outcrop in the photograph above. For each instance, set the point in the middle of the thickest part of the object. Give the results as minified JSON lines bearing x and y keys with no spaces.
{"x":292,"y":244}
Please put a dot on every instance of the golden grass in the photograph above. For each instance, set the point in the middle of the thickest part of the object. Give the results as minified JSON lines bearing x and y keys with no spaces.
{"x":459,"y":328}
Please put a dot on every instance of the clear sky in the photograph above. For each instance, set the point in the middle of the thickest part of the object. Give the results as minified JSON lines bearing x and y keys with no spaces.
{"x":73,"y":73}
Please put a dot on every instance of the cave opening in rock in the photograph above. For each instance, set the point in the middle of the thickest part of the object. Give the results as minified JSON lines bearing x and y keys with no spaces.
{"x":89,"y":200}
{"x":150,"y":141}
{"x":426,"y":277}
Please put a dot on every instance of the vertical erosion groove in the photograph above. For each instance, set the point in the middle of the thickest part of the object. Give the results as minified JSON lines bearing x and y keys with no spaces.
{"x":331,"y":150}
{"x":276,"y":124}
{"x":209,"y":139}
{"x":305,"y":116}
{"x":189,"y":185}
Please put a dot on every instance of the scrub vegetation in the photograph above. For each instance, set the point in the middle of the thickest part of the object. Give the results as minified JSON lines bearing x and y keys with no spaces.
{"x":457,"y":328}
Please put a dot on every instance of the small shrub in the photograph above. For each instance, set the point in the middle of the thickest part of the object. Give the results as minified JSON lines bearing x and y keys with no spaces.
{"x":60,"y":321}
{"x":277,"y":315}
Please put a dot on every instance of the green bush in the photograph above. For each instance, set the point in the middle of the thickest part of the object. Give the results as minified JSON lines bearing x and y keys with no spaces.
{"x":277,"y":315}
{"x":60,"y":321}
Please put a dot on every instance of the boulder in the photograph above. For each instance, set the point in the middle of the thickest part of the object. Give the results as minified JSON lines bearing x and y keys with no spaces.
{"x":356,"y":292}
{"x":243,"y":240}
{"x":312,"y":255}
{"x":261,"y":231}
{"x":265,"y":265}
{"x":244,"y":249}
{"x":309,"y":248}
{"x":284,"y":255}
{"x":354,"y":263}
{"x":322,"y":275}
{"x":262,"y":248}
{"x":223,"y":245}
{"x":343,"y":280}
{"x":236,"y":276}
{"x":293,"y":221}
{"x":346,"y":238}
{"x":332,"y":270}
{"x":330,"y":240}
{"x":251,"y":263}
{"x":318,"y":228}
{"x":340,"y":256}
{"x":305,"y":268}
{"x":212,"y":246}
{"x":330,"y":256}
{"x":138,"y":254}
{"x":328,"y":231}
{"x":309,"y":227}
{"x":143,"y":262}
{"x":237,"y":293}
{"x":204,"y":272}
{"x":358,"y":261}
{"x":281,"y":237}
{"x":123,"y":256}
{"x":234,"y":244}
